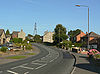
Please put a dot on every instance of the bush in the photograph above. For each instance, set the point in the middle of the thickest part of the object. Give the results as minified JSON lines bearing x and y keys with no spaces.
{"x":3,"y":49}
{"x":17,"y":40}
{"x":28,"y":46}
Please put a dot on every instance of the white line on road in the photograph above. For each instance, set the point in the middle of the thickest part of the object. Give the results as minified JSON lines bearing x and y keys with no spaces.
{"x":26,"y":67}
{"x":41,"y":66}
{"x":36,"y":63}
{"x":26,"y":72}
{"x":15,"y":67}
{"x":11,"y":72}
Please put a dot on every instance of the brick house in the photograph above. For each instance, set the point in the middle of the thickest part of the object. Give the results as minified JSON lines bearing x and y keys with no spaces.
{"x":18,"y":34}
{"x":92,"y":36}
{"x":93,"y":40}
{"x":77,"y":37}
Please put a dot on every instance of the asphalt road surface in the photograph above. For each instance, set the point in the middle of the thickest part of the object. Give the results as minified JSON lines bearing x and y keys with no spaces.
{"x":50,"y":60}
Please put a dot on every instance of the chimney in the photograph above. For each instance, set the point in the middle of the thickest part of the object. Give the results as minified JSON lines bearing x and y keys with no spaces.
{"x":21,"y":30}
{"x":86,"y":32}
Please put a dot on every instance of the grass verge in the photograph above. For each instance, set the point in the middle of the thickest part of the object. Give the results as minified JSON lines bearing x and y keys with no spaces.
{"x":31,"y":54}
{"x":16,"y":57}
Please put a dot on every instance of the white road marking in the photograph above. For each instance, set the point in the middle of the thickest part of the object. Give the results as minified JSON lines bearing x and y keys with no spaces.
{"x":25,"y":64}
{"x":73,"y":70}
{"x":1,"y":71}
{"x":15,"y":67}
{"x":36,"y":63}
{"x":11,"y":72}
{"x":26,"y":72}
{"x":41,"y":66}
{"x":26,"y":67}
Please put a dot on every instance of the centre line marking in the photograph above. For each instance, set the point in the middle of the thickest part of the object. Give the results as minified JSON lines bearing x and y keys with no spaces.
{"x":12,"y":72}
{"x":41,"y":66}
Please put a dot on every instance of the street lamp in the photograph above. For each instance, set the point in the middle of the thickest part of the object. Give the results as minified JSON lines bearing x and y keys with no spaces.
{"x":88,"y":20}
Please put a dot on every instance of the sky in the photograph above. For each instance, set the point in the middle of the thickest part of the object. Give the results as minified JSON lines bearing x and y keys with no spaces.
{"x":22,"y":14}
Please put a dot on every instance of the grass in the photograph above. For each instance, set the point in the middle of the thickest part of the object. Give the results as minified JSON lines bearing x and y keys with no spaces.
{"x":30,"y":53}
{"x":16,"y":57}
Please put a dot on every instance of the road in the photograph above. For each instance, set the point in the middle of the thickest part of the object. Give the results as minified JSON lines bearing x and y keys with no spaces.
{"x":51,"y":60}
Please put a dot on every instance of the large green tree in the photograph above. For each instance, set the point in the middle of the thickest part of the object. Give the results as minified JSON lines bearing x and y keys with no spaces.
{"x":60,"y":34}
{"x":7,"y":32}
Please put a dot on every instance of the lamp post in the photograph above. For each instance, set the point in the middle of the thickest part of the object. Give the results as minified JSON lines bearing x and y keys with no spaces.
{"x":88,"y":20}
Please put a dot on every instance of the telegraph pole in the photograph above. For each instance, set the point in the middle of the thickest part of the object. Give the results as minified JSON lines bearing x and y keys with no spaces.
{"x":59,"y":35}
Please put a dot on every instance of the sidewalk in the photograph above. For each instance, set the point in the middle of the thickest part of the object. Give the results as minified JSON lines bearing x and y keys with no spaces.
{"x":84,"y":65}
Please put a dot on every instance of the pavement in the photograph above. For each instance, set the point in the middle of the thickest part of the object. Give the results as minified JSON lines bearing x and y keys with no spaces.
{"x":50,"y":60}
{"x":84,"y":65}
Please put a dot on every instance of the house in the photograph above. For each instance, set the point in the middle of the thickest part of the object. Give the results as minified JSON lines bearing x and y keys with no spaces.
{"x":92,"y":36}
{"x":93,"y":40}
{"x":77,"y":37}
{"x":48,"y":37}
{"x":8,"y":37}
{"x":18,"y":34}
{"x":2,"y":36}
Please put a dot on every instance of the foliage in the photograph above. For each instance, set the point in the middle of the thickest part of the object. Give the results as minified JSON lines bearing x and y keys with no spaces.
{"x":73,"y":33}
{"x":28,"y":46}
{"x":3,"y":49}
{"x":7,"y":32}
{"x":78,"y":44}
{"x":17,"y":40}
{"x":67,"y":43}
{"x":97,"y":56}
{"x":60,"y":33}
{"x":30,"y":35}
{"x":37,"y":39}
{"x":93,"y":52}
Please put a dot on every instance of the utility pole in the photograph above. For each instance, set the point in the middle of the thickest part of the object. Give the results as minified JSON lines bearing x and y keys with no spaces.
{"x":59,"y":35}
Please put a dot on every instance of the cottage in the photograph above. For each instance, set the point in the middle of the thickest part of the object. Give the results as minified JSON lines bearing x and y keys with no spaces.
{"x":2,"y":37}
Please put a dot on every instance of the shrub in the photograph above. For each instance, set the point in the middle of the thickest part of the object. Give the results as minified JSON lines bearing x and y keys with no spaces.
{"x":3,"y":49}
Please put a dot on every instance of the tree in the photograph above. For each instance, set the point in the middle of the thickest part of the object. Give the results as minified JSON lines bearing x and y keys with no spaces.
{"x":30,"y":35}
{"x":37,"y":38}
{"x":7,"y":32}
{"x":60,"y":34}
{"x":17,"y":40}
{"x":73,"y":33}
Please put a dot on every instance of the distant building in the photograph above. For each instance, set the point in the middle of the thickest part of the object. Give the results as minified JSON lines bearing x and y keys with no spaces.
{"x":18,"y":34}
{"x":21,"y":34}
{"x":2,"y":36}
{"x":48,"y":37}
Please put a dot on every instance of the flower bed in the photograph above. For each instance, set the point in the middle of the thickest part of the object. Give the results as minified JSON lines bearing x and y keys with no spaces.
{"x":92,"y":52}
